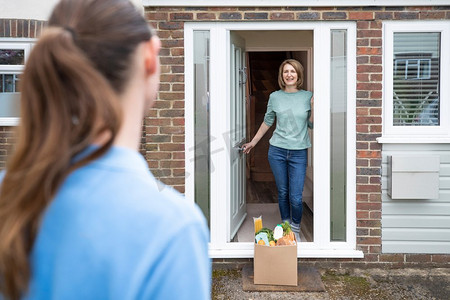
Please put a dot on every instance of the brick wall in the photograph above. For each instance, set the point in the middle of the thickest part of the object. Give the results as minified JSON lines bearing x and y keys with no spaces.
{"x":165,"y":140}
{"x":13,"y":28}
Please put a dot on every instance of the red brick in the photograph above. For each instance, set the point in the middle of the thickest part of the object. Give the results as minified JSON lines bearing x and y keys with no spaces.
{"x":361,"y":197}
{"x":178,"y":155}
{"x":375,"y":249}
{"x":178,"y":138}
{"x":376,"y":95}
{"x":153,"y":164}
{"x":177,"y":69}
{"x":375,"y":197}
{"x":369,"y":33}
{"x":159,"y":121}
{"x":375,"y":180}
{"x":362,"y":111}
{"x":179,"y":172}
{"x":172,"y":78}
{"x":170,"y":25}
{"x":370,"y":206}
{"x":164,"y":87}
{"x":177,"y":34}
{"x":406,"y":15}
{"x":362,"y":59}
{"x":206,"y":16}
{"x":371,"y":257}
{"x":360,"y":24}
{"x":375,"y":128}
{"x":392,"y":258}
{"x":161,"y":104}
{"x":158,"y":155}
{"x":362,"y":162}
{"x":362,"y":179}
{"x":362,"y":128}
{"x":368,"y":120}
{"x":369,"y":69}
{"x":376,"y":24}
{"x":178,"y":104}
{"x":172,"y":43}
{"x":368,"y":86}
{"x":179,"y":188}
{"x":230,"y":16}
{"x":362,"y":42}
{"x":177,"y":51}
{"x":151,"y":130}
{"x":171,"y":95}
{"x":170,"y":130}
{"x":376,"y":111}
{"x":256,"y":16}
{"x":171,"y":113}
{"x":178,"y":121}
{"x":171,"y":147}
{"x":367,"y":188}
{"x":281,"y":16}
{"x":178,"y":87}
{"x":334,"y":15}
{"x":369,"y":51}
{"x":368,"y":154}
{"x":376,"y":77}
{"x":173,"y":181}
{"x":362,"y":215}
{"x":441,"y":258}
{"x":362,"y":77}
{"x":156,"y":16}
{"x":376,"y":42}
{"x":368,"y":240}
{"x":360,"y":15}
{"x":432,"y":15}
{"x":181,"y":16}
{"x":172,"y":164}
{"x":422,"y":258}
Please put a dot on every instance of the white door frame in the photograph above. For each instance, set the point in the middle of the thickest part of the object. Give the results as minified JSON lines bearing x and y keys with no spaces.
{"x":219,"y":116}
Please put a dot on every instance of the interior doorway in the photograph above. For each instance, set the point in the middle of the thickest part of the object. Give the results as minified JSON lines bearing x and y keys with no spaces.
{"x":262,"y":65}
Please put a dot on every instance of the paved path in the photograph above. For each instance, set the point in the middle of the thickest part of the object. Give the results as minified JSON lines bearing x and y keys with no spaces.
{"x":349,"y":284}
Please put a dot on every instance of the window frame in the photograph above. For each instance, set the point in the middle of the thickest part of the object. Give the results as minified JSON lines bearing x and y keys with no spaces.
{"x":414,"y":134}
{"x":25,"y":44}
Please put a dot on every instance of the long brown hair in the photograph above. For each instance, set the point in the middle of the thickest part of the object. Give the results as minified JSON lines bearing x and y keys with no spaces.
{"x":69,"y":95}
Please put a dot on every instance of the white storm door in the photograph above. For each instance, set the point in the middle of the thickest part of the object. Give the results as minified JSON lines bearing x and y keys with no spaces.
{"x":238,"y":210}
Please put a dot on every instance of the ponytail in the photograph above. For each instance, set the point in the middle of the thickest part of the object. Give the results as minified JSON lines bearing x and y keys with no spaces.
{"x":65,"y":104}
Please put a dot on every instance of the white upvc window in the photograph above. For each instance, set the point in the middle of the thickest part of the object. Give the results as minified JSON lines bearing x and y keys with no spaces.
{"x":13,"y":54}
{"x":416,"y":95}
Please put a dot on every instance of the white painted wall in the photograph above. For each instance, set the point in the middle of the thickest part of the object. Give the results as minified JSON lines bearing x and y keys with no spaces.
{"x":32,"y":9}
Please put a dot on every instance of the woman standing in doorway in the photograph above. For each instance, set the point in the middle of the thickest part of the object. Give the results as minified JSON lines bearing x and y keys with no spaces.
{"x":293,"y":109}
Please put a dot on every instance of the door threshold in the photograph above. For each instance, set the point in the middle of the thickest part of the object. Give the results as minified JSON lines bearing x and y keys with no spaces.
{"x":245,"y":250}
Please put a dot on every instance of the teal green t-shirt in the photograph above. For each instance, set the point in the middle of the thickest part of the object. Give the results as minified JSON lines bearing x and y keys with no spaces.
{"x":292,"y":111}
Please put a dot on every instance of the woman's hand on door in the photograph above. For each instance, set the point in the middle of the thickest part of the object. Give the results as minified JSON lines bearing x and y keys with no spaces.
{"x":248,"y":146}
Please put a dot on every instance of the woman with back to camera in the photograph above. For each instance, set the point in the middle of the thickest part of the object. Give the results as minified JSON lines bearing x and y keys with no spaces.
{"x":293,"y":109}
{"x":81,"y":217}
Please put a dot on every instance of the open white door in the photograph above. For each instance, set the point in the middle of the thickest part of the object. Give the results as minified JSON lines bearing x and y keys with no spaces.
{"x":238,"y":210}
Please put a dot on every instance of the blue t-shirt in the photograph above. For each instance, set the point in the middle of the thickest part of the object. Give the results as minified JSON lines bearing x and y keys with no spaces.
{"x":114,"y":232}
{"x":292,"y":111}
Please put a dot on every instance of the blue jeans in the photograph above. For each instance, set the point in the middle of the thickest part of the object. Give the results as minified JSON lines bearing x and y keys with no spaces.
{"x":289,"y":169}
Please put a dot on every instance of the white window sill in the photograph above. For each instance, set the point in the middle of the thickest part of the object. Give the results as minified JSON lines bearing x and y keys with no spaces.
{"x":413,"y":140}
{"x":9,"y":121}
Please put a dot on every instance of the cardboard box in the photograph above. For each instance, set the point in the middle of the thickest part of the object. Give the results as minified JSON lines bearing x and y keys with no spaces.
{"x":276,"y":265}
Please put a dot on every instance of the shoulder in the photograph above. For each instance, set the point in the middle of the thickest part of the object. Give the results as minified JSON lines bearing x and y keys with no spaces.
{"x":308,"y":94}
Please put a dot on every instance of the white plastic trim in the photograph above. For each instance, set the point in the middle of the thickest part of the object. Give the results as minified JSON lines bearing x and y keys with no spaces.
{"x":281,"y":3}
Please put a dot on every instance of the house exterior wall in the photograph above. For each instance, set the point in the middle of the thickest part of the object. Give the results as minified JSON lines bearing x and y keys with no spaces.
{"x":165,"y":137}
{"x":418,"y":225}
{"x":163,"y":129}
{"x":15,"y":28}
